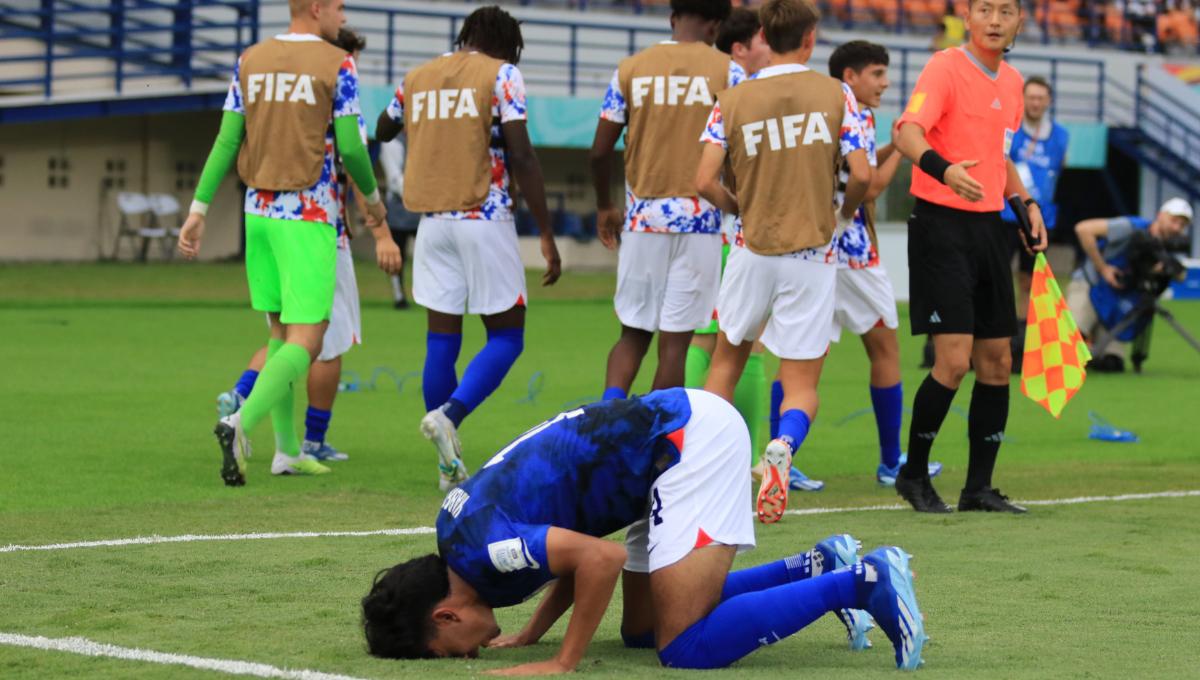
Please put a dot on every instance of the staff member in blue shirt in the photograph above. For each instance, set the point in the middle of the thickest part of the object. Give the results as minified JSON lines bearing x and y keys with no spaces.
{"x":1039,"y":150}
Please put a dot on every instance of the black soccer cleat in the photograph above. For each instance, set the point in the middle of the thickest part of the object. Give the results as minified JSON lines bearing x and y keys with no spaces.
{"x":921,"y":495}
{"x":233,"y":466}
{"x":987,"y":499}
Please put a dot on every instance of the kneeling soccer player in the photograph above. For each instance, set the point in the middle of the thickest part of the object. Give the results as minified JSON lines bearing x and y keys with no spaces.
{"x":673,"y":466}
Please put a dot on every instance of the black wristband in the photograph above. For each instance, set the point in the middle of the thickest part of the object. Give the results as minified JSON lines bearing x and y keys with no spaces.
{"x":934,"y":165}
{"x":1032,"y":201}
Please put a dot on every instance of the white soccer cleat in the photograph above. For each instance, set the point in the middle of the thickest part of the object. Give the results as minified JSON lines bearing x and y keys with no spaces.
{"x":437,"y":428}
{"x":773,"y":490}
{"x":235,"y":449}
{"x":303,"y":464}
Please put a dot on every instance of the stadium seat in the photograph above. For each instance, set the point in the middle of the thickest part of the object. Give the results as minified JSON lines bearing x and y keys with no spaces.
{"x":166,"y":211}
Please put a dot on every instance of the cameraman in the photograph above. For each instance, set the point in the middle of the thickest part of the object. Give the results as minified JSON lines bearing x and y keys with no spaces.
{"x":1098,"y":288}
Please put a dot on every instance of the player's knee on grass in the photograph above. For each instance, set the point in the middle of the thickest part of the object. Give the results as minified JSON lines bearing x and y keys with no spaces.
{"x":397,"y":614}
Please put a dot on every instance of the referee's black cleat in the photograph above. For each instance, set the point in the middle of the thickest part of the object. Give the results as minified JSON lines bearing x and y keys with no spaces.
{"x":919,"y":492}
{"x":235,"y":448}
{"x":987,"y":499}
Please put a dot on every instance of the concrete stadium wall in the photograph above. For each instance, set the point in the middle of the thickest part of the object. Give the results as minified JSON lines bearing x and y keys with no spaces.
{"x":53,"y":179}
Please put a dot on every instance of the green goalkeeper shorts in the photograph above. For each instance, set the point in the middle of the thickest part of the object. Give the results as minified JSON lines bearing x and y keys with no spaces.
{"x":291,"y":266}
{"x":711,"y":328}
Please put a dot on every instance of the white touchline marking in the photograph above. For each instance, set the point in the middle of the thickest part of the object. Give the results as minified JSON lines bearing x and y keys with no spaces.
{"x":78,"y":645}
{"x":1049,"y":501}
{"x":418,"y":531}
{"x":194,"y":538}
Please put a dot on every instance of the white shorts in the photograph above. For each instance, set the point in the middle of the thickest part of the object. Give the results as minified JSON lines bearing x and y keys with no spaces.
{"x":793,"y":297}
{"x":345,"y":319}
{"x":864,"y":299}
{"x":667,"y":282}
{"x":704,"y":498}
{"x":467,"y":266}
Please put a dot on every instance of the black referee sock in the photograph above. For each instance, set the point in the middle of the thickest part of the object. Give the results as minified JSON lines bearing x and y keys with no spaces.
{"x":985,"y":428}
{"x":930,"y":406}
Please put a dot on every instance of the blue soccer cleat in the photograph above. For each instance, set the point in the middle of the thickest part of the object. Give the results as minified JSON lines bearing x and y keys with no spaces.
{"x":322,"y":451}
{"x":229,"y":403}
{"x":838,"y":552}
{"x":893,"y":603}
{"x":886,"y":476}
{"x":798,"y":481}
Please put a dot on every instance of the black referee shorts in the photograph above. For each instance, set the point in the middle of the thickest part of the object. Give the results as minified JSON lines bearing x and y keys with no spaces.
{"x":959,"y":273}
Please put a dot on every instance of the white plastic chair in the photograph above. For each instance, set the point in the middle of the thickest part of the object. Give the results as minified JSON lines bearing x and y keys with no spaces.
{"x":137,"y":221}
{"x":166,"y":210}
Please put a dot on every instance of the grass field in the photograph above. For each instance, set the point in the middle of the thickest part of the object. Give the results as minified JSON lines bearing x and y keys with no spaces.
{"x":105,"y":420}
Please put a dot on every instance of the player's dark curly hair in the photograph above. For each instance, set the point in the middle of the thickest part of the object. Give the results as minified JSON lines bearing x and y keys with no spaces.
{"x":350,"y":40}
{"x":712,"y":10}
{"x":396,"y":613}
{"x":739,"y":27}
{"x":856,"y":55}
{"x":494,"y":32}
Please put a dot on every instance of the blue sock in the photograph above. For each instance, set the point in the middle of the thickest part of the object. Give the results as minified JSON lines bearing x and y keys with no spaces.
{"x":793,"y":424}
{"x":889,"y":409}
{"x":440,"y":379}
{"x":486,"y":371}
{"x":316,"y":424}
{"x":246,"y":383}
{"x":748,"y":621}
{"x":776,"y":405}
{"x":613,"y":393}
{"x":769,"y":575}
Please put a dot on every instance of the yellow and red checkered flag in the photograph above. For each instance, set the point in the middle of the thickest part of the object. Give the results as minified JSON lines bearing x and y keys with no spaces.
{"x":1055,"y":353}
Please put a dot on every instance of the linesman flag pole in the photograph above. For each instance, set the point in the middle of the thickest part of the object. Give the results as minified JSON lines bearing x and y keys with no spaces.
{"x":1055,"y":354}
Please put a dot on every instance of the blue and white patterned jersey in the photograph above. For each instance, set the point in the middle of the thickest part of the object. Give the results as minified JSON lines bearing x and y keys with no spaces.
{"x":853,"y":248}
{"x":674,"y":215}
{"x":587,"y":470}
{"x":322,"y":201}
{"x":508,"y":104}
{"x":850,"y":139}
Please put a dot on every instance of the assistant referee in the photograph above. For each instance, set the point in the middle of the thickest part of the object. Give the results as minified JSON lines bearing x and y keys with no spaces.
{"x":957,"y":129}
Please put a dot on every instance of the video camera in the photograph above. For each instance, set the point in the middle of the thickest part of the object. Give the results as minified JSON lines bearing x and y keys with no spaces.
{"x":1152,"y":265}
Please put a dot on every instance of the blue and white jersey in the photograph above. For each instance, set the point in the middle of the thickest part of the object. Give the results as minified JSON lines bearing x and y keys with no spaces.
{"x":673,"y":215}
{"x":854,"y":247}
{"x":1039,"y":156}
{"x":587,"y":470}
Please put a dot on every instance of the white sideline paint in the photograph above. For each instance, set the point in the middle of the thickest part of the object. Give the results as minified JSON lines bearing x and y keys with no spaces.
{"x":195,"y":538}
{"x":418,"y":531}
{"x":85,"y":647}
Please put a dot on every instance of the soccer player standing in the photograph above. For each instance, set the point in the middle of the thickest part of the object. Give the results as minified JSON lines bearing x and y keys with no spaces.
{"x":291,"y":98}
{"x":464,"y":113}
{"x":957,"y":129}
{"x":864,"y":303}
{"x":785,"y":131}
{"x":669,"y":264}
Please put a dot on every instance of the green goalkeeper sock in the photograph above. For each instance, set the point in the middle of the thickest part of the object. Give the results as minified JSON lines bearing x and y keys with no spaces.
{"x":750,"y":399}
{"x":695,"y":371}
{"x":272,"y":393}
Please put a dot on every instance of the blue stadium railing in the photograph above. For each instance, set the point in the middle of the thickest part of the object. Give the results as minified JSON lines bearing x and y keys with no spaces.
{"x":185,"y":39}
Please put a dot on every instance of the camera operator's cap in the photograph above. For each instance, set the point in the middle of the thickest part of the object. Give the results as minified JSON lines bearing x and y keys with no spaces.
{"x":1178,"y":208}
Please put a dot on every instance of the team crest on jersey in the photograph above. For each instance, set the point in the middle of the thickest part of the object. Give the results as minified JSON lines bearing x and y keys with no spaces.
{"x":511,"y":555}
{"x":280,"y":87}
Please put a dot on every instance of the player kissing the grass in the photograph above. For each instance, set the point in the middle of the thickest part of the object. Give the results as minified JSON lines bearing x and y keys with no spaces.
{"x":672,"y":466}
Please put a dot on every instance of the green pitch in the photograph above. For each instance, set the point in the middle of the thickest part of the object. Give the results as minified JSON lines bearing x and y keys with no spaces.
{"x":106,"y":411}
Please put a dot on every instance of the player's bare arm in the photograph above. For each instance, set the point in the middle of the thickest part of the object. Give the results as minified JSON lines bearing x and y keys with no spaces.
{"x":708,"y":179}
{"x":1017,"y":187}
{"x":1089,"y":231}
{"x":912,"y":143}
{"x":594,"y":564}
{"x":858,"y":185}
{"x":528,"y":172}
{"x":557,"y":601}
{"x":608,"y":217}
{"x":888,"y":162}
{"x":387,"y":129}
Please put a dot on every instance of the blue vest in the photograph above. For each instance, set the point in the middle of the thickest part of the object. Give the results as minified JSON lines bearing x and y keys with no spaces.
{"x":1040,"y":162}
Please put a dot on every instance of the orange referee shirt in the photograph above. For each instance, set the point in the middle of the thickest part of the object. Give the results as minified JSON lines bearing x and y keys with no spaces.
{"x":968,"y":113}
